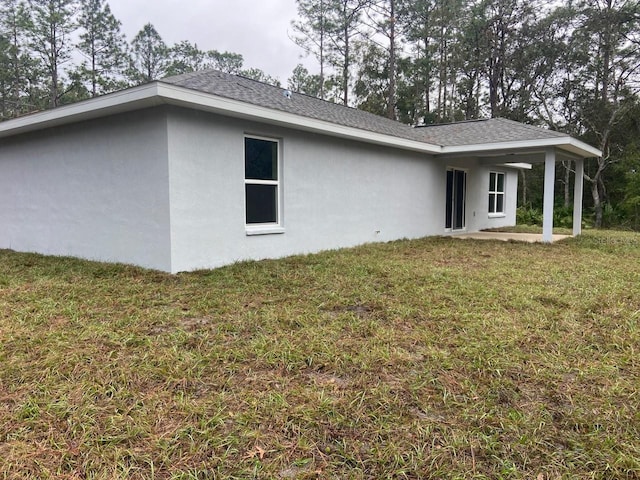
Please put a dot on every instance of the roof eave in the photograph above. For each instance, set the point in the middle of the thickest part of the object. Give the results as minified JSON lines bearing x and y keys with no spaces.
{"x":159,"y":93}
{"x":568,"y":144}
{"x":134,"y":98}
{"x":194,"y":99}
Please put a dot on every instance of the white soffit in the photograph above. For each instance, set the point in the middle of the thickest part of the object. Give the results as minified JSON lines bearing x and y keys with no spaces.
{"x":567,"y":143}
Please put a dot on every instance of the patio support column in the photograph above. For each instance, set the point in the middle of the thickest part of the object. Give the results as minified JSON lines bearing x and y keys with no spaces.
{"x":577,"y":197}
{"x":549,"y":182}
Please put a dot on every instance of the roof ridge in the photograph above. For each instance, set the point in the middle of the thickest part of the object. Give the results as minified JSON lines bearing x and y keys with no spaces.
{"x":473,"y":120}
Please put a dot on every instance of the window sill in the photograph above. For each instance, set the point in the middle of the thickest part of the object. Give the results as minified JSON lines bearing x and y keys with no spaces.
{"x":264,"y":230}
{"x":497,"y":215}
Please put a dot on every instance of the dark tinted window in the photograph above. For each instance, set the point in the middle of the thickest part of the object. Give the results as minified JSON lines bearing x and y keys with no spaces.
{"x":261,"y":201}
{"x":260,"y":159}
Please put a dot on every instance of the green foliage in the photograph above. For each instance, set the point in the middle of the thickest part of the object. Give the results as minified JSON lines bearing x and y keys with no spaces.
{"x":186,"y":58}
{"x":312,"y":35}
{"x":303,"y":82}
{"x":562,"y":216}
{"x":372,"y":83}
{"x":38,"y":38}
{"x":327,"y":30}
{"x":48,"y":26}
{"x":528,"y":216}
{"x":104,"y":48}
{"x":259,"y":75}
{"x":227,"y":62}
{"x":150,"y":56}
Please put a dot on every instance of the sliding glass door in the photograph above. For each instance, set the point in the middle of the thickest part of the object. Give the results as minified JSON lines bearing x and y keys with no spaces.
{"x":456,"y":198}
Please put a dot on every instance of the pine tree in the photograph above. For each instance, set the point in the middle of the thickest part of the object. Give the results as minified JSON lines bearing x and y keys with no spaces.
{"x":104,"y":47}
{"x":151,"y":57}
{"x":345,"y":18}
{"x":227,"y":62}
{"x":382,"y":15}
{"x":303,"y":82}
{"x":186,"y":57}
{"x":48,"y":28}
{"x":313,"y":30}
{"x":260,"y":76}
{"x":15,"y":62}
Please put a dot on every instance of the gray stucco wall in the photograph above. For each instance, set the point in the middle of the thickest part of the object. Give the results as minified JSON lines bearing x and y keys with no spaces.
{"x":96,"y":190}
{"x":164,"y":188}
{"x":336,"y":193}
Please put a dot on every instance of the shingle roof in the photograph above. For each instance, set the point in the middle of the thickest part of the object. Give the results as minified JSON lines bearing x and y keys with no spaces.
{"x":483,"y":131}
{"x":264,"y":95}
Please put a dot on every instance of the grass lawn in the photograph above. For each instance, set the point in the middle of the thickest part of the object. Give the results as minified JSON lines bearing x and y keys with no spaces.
{"x":435,"y":358}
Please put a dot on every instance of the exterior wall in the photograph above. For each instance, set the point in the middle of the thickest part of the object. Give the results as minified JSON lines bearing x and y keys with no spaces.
{"x":335,"y":193}
{"x":164,"y":188}
{"x":96,"y":190}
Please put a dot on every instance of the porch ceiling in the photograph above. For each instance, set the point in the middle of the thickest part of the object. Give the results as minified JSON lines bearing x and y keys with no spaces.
{"x":529,"y":156}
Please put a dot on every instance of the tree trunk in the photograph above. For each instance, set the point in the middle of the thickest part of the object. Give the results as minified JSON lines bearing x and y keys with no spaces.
{"x":597,"y":203}
{"x":427,"y":83}
{"x":606,"y":57}
{"x":391,"y":101}
{"x":440,"y":85}
{"x":94,"y":79}
{"x":17,"y":73}
{"x":345,"y":71}
{"x":322,"y":26}
{"x":567,"y":179}
{"x":54,"y":86}
{"x":523,"y":176}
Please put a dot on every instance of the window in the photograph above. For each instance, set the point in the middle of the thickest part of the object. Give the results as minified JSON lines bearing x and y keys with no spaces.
{"x":496,"y":193}
{"x":261,"y":181}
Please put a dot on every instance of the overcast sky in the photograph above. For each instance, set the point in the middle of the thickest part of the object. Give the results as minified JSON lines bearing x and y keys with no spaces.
{"x":257,"y":29}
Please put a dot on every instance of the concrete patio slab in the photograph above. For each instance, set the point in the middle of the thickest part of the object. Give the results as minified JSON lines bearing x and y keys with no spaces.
{"x":508,"y":236}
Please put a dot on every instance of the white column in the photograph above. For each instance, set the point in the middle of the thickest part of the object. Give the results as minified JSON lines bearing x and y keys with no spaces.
{"x":549,"y":181}
{"x":577,"y":197}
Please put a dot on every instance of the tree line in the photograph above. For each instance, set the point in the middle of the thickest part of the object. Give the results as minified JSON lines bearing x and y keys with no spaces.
{"x":569,"y":65}
{"x":54,"y":52}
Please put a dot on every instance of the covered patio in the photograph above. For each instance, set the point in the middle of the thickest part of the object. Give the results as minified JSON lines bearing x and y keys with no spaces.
{"x":501,"y":142}
{"x":574,"y":152}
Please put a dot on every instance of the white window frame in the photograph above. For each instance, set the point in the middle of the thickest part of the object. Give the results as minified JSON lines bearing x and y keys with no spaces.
{"x":493,"y":190}
{"x":270,"y":227}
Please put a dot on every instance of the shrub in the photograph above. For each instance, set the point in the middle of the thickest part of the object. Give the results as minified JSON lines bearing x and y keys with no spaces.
{"x":528,"y":216}
{"x":562,"y":216}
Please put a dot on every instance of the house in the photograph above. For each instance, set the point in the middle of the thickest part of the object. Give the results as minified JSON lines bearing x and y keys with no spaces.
{"x":205,"y":169}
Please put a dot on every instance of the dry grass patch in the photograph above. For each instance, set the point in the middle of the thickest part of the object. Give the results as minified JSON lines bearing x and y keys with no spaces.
{"x":415,"y":359}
